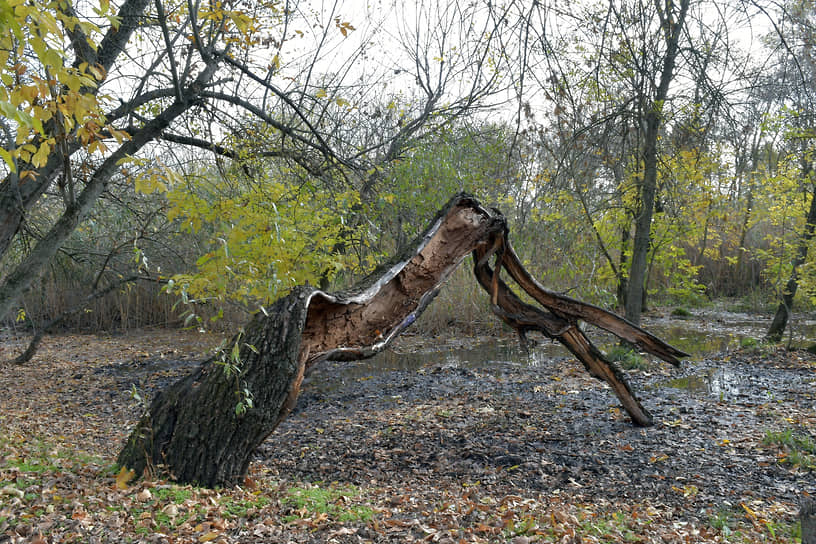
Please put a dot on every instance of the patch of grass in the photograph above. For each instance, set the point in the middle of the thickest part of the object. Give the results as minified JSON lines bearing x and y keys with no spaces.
{"x":749,"y":342}
{"x":628,"y":358}
{"x":611,"y":526}
{"x":357,"y":513}
{"x":35,"y":465}
{"x":314,"y":501}
{"x":172,"y":494}
{"x":243,"y":507}
{"x":40,"y":457}
{"x":680,"y":313}
{"x":734,"y":526}
{"x":798,"y":450}
{"x":723,"y":521}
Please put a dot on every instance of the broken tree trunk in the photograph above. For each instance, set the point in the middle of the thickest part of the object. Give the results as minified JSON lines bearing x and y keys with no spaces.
{"x":204,"y":428}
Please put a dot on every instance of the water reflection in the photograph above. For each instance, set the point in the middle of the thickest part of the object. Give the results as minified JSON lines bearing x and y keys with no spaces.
{"x":699,"y":336}
{"x":722,"y":382}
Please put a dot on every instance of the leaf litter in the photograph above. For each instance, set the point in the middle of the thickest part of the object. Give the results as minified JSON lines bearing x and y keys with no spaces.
{"x":444,"y":453}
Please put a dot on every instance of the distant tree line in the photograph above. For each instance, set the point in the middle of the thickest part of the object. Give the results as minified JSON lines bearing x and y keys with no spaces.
{"x":646,"y":153}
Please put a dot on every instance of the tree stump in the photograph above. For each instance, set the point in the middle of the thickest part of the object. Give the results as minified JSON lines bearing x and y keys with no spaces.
{"x":807,"y":517}
{"x":204,"y":428}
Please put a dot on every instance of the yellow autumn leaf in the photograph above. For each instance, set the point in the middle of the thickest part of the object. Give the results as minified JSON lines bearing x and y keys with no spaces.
{"x":125,"y":475}
{"x":751,"y":514}
{"x":207,"y":537}
{"x":8,"y":159}
{"x":41,"y":156}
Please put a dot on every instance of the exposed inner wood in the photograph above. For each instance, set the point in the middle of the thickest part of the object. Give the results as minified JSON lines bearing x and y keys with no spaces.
{"x":195,"y":431}
{"x":334,"y":324}
{"x":360,"y":326}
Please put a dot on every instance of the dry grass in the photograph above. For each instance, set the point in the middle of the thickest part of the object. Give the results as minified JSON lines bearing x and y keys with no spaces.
{"x":134,"y":305}
{"x":462,"y":306}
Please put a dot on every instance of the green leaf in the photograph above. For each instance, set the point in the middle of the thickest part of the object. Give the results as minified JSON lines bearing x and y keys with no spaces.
{"x":9,"y":160}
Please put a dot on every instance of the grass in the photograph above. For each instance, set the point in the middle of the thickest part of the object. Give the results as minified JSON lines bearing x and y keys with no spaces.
{"x":332,"y":502}
{"x":174,"y":494}
{"x":628,"y":358}
{"x":749,"y":342}
{"x":724,"y":521}
{"x":798,"y":450}
{"x":147,"y":507}
{"x":681,"y":313}
{"x":616,"y":526}
{"x":739,"y":526}
{"x":243,"y":507}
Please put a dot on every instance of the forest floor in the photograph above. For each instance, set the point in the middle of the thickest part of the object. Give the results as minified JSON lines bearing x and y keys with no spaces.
{"x":446,"y":453}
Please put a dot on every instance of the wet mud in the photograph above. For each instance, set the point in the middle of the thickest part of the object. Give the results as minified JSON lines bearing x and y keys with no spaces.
{"x":480,"y":415}
{"x":545,"y":426}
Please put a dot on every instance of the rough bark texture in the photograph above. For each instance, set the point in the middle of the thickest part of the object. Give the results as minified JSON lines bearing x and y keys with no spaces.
{"x":648,"y":188}
{"x":192,"y":431}
{"x":807,"y":515}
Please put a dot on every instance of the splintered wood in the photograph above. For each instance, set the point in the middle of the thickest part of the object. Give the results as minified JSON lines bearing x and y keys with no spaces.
{"x":362,"y":322}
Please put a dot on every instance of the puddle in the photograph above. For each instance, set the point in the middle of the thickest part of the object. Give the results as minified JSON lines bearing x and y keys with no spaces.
{"x":474,"y":356}
{"x":722,"y":382}
{"x":700,"y":335}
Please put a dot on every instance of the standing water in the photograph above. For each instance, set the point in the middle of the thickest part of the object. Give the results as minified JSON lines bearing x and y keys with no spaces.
{"x":698,"y":335}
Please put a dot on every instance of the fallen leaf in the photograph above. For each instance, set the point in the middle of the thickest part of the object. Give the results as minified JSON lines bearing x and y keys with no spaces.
{"x":125,"y":475}
{"x":343,"y":531}
{"x":207,"y":537}
{"x":13,"y":491}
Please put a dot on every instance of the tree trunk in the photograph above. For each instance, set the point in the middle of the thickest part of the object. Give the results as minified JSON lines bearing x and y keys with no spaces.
{"x":193,"y":430}
{"x":204,"y":428}
{"x":807,"y":517}
{"x":780,"y":320}
{"x":622,"y":286}
{"x":635,"y":298}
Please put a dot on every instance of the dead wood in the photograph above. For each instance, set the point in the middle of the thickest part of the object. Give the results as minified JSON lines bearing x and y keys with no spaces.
{"x":191,"y":430}
{"x":560,"y":321}
{"x":807,"y":517}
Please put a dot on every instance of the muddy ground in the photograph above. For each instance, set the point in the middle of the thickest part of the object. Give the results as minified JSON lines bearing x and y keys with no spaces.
{"x":523,"y":451}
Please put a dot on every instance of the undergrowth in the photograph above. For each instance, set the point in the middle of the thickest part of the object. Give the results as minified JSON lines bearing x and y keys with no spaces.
{"x":796,"y":449}
{"x":628,"y":358}
{"x":331,"y":502}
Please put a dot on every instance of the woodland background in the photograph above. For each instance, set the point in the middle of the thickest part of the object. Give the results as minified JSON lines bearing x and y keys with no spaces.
{"x":179,"y":162}
{"x":184,"y":163}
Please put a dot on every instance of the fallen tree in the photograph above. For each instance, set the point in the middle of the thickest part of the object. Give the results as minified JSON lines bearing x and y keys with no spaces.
{"x":204,"y":428}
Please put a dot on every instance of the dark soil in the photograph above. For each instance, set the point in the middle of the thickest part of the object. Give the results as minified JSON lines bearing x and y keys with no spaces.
{"x":446,"y":453}
{"x":547,"y":428}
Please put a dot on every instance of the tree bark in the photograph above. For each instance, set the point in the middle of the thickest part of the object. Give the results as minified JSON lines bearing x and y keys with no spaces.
{"x":672,"y":28}
{"x":807,"y":517}
{"x":204,"y":428}
{"x":192,"y":430}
